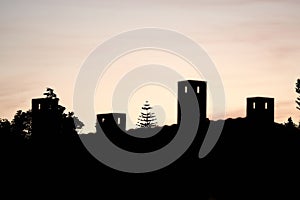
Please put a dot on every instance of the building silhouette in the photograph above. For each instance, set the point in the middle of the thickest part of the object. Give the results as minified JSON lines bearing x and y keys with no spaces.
{"x":111,"y":121}
{"x":46,"y":117}
{"x":260,"y":109}
{"x":191,"y":93}
{"x":186,"y":102}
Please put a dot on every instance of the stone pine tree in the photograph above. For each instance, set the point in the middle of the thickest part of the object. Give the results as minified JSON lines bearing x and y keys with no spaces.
{"x":147,"y":118}
{"x":298,"y":91}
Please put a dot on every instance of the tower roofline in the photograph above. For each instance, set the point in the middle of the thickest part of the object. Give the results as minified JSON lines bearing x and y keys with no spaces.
{"x":103,"y":114}
{"x":45,"y":99}
{"x":195,"y":81}
{"x":258,"y":97}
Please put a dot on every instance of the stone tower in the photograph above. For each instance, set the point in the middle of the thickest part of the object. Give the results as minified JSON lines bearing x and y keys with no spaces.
{"x":186,"y":102}
{"x":260,"y":109}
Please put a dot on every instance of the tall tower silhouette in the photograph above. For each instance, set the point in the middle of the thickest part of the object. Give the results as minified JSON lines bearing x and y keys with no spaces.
{"x":186,"y":102}
{"x":260,"y":109}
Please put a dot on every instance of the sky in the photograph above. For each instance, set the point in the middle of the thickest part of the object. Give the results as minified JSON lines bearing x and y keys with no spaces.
{"x":254,"y":45}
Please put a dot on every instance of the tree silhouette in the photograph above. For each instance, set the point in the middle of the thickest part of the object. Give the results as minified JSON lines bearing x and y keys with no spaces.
{"x":290,"y":123}
{"x":22,"y":123}
{"x":67,"y":118}
{"x":50,"y":93}
{"x":298,"y":91}
{"x":4,"y":126}
{"x":78,"y":124}
{"x":146,"y":119}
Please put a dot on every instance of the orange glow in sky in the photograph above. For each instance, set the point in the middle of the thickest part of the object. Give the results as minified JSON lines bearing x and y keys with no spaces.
{"x":255,"y":46}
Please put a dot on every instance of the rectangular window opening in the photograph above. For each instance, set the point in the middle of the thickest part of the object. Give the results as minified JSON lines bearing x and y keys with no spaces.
{"x":185,"y":89}
{"x":254,"y":105}
{"x":266,"y":105}
{"x":198,"y":89}
{"x":119,"y":120}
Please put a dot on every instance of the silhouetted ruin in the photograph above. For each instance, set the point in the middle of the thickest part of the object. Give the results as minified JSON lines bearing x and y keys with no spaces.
{"x":110,"y":120}
{"x":260,"y":109}
{"x":46,"y":117}
{"x":251,"y":152}
{"x":186,"y":90}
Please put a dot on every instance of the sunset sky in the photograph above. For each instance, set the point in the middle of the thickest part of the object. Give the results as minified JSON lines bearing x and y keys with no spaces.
{"x":255,"y":46}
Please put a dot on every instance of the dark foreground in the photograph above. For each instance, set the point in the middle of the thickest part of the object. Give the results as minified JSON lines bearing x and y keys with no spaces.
{"x":250,"y":161}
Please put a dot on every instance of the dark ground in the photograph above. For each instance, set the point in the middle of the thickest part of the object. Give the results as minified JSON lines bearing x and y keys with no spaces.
{"x":250,"y":161}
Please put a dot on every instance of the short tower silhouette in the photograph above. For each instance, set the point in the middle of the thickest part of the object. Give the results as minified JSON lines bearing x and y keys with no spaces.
{"x":260,"y":109}
{"x":112,"y":121}
{"x":46,"y":117}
